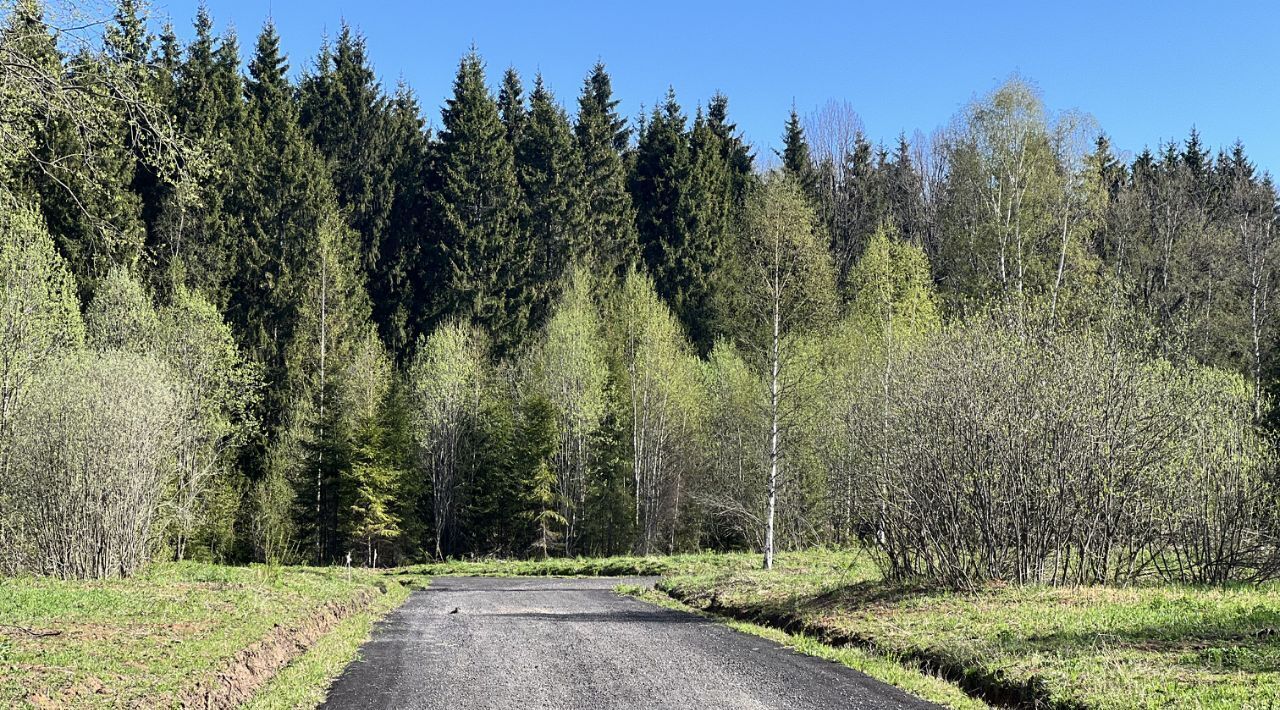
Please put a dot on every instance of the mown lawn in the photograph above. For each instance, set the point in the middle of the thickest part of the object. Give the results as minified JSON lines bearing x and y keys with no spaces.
{"x":148,"y":640}
{"x":1148,"y":646}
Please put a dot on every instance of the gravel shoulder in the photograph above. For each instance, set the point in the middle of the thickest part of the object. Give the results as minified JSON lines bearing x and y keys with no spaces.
{"x":473,"y":642}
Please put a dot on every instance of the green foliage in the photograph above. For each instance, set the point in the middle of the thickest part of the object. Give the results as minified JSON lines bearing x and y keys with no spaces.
{"x":121,"y":316}
{"x":736,"y":434}
{"x":537,"y":440}
{"x":893,"y":294}
{"x":658,"y":395}
{"x":373,"y":334}
{"x":336,"y":380}
{"x":39,"y":312}
{"x":571,"y":373}
{"x":219,"y":391}
{"x":40,"y":317}
{"x":447,"y":377}
{"x":375,"y":149}
{"x":787,"y":270}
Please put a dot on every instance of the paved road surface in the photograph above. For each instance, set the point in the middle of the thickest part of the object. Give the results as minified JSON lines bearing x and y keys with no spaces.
{"x":573,"y":643}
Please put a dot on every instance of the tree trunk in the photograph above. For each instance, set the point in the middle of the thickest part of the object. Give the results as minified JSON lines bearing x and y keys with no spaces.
{"x":773,"y":428}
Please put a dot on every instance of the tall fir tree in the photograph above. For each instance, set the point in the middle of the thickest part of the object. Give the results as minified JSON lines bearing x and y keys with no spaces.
{"x":550,"y":171}
{"x":282,"y":198}
{"x":602,"y":137}
{"x":477,"y":205}
{"x":662,"y":189}
{"x":318,"y":441}
{"x":708,"y":207}
{"x":737,"y":153}
{"x":797,"y":159}
{"x":511,"y":106}
{"x":402,"y":289}
{"x":197,"y":244}
{"x":345,"y":113}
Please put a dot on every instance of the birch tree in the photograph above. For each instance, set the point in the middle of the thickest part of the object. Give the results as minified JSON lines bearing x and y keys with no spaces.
{"x":217,"y":390}
{"x":446,"y":378}
{"x":1251,"y":210}
{"x":574,"y":376}
{"x":1001,"y":193}
{"x":790,"y":292}
{"x":661,"y":395}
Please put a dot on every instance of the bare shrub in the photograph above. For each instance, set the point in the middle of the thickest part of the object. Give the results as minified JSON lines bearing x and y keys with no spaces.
{"x":97,"y":435}
{"x":1069,"y":460}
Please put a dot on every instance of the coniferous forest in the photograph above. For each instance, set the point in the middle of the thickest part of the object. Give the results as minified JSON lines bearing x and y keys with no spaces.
{"x":253,"y":309}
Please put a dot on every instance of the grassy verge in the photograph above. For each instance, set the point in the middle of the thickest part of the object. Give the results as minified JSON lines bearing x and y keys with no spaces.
{"x":584,"y":566}
{"x":1098,"y":647}
{"x":305,"y":682}
{"x":152,"y":640}
{"x":907,"y":676}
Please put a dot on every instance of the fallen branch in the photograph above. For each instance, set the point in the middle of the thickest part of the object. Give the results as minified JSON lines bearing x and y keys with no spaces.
{"x":37,"y":633}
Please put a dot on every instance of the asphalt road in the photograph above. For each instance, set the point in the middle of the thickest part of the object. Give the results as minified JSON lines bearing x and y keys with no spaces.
{"x":574,"y":643}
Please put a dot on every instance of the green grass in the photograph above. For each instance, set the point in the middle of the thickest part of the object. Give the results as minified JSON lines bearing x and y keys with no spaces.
{"x":905,"y":675}
{"x":1151,"y":646}
{"x":147,"y":640}
{"x":584,"y":566}
{"x":304,"y":683}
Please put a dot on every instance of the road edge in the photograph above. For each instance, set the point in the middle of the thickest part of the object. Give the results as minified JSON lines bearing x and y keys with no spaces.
{"x":903,"y":675}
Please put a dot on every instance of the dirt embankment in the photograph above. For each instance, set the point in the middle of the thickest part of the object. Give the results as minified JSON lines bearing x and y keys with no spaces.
{"x":256,"y":664}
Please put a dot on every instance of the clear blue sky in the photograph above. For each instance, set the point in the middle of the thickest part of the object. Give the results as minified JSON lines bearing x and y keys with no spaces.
{"x":1146,"y":70}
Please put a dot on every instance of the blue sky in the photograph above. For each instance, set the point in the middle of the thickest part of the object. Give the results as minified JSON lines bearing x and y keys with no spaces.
{"x":1147,"y":71}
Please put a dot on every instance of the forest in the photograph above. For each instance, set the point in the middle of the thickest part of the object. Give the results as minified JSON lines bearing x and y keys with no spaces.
{"x":254,"y":309}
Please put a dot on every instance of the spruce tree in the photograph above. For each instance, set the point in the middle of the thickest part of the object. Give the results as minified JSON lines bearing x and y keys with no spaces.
{"x":282,"y":196}
{"x":511,"y":106}
{"x":477,"y":206}
{"x":346,"y":114}
{"x":737,"y":154}
{"x":661,"y":189}
{"x":159,"y":198}
{"x":401,"y":292}
{"x":196,"y":243}
{"x":317,"y":442}
{"x":708,"y":208}
{"x":550,"y":171}
{"x":904,"y":194}
{"x":797,"y":159}
{"x":602,"y":137}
